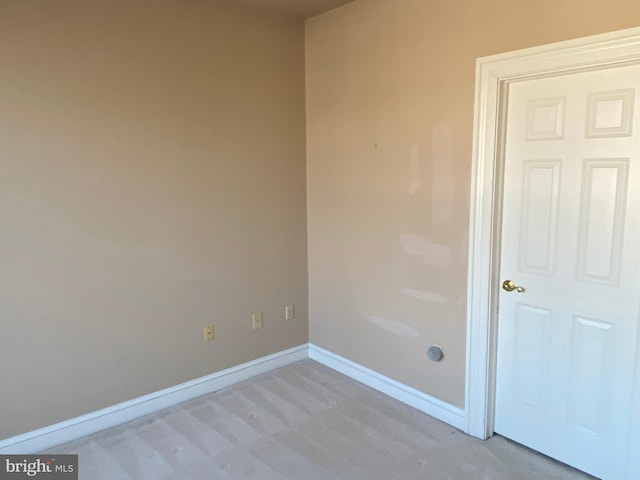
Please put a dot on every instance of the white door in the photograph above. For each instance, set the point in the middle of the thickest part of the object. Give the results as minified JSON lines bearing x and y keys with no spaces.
{"x":571,"y":239}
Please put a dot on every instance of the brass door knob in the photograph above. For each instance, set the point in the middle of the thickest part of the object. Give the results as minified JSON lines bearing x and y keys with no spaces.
{"x":509,"y":286}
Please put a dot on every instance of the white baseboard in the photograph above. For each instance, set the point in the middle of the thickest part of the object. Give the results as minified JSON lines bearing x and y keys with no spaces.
{"x":439,"y":409}
{"x":72,"y":429}
{"x":68,"y":430}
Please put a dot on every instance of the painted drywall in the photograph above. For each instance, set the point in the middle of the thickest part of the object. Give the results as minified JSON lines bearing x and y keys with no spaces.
{"x":390,"y":88}
{"x":152,"y":181}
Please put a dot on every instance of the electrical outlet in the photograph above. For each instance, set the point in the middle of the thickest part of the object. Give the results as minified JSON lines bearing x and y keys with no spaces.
{"x":289,"y":313}
{"x":208,"y":333}
{"x":257,"y":320}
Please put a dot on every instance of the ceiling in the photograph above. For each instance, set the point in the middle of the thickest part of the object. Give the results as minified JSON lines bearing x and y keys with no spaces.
{"x":299,"y":8}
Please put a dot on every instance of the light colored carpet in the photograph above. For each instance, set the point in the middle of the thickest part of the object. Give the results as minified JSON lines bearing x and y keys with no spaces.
{"x":301,"y":422}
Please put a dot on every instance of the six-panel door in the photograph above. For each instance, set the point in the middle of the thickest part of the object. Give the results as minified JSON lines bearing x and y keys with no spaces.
{"x":571,"y":238}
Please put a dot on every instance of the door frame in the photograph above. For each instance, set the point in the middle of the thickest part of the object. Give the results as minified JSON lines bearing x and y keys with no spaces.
{"x":493,"y":76}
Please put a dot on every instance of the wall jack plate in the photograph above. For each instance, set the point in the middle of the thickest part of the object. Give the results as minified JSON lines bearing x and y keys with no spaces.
{"x":257,"y":320}
{"x":208,"y":333}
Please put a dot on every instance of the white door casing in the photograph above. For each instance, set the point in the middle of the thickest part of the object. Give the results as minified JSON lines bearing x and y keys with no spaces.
{"x":493,"y":77}
{"x":570,"y":236}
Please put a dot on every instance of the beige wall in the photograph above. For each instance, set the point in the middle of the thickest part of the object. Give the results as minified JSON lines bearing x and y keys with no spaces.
{"x":390,"y":87}
{"x":152,"y":180}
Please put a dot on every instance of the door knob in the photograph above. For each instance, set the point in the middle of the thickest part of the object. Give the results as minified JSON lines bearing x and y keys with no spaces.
{"x":509,"y":286}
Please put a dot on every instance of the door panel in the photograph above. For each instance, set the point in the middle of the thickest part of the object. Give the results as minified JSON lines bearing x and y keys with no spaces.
{"x":540,"y":191}
{"x":531,"y":334}
{"x":589,"y":340}
{"x":604,"y":186}
{"x":570,"y":237}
